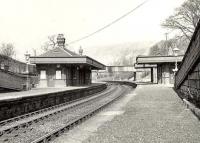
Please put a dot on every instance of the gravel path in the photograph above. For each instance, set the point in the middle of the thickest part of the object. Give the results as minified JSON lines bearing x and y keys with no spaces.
{"x":154,"y":115}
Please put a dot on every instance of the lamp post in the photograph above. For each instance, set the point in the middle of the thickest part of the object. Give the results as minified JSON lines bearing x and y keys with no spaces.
{"x":175,"y":50}
{"x":27,"y":56}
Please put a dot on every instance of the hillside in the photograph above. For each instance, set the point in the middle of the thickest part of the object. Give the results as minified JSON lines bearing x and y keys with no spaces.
{"x":118,"y":54}
{"x":164,"y":48}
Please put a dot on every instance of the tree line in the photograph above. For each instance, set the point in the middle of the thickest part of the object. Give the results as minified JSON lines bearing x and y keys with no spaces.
{"x":183,"y":21}
{"x":7,"y":49}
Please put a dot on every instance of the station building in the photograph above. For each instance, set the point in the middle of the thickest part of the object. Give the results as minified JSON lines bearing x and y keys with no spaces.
{"x":161,"y":67}
{"x":61,"y":67}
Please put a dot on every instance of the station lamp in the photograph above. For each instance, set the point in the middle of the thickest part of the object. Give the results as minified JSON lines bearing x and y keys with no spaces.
{"x":27,"y":57}
{"x":175,"y":50}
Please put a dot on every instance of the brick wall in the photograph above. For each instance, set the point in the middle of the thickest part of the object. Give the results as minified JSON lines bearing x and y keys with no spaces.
{"x":11,"y":81}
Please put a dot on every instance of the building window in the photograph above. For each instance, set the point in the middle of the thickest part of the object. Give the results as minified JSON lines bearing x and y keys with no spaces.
{"x":43,"y":74}
{"x":2,"y":66}
{"x":58,"y":74}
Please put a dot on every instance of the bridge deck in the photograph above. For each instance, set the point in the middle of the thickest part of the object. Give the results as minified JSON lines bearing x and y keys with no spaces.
{"x":150,"y":114}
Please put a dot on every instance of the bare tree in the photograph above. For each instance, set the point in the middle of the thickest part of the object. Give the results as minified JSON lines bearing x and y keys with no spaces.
{"x":7,"y":49}
{"x":165,"y":48}
{"x":161,"y":48}
{"x":50,"y":44}
{"x":185,"y":18}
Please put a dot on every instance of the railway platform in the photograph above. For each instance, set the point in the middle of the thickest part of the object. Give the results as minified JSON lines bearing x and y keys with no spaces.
{"x":36,"y":92}
{"x":153,"y":115}
{"x":15,"y":104}
{"x":39,"y":91}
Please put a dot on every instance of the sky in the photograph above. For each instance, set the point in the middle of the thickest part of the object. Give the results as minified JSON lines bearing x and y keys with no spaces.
{"x":28,"y":23}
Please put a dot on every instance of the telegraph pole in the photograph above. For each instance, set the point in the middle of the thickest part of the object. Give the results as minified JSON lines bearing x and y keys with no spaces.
{"x":166,"y":36}
{"x":166,"y":43}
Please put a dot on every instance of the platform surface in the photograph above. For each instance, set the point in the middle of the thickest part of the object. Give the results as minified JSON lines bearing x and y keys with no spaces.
{"x":39,"y":91}
{"x":148,"y":114}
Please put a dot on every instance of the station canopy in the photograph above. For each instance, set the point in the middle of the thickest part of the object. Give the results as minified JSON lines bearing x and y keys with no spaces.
{"x":158,"y":59}
{"x":153,"y":61}
{"x":61,"y":55}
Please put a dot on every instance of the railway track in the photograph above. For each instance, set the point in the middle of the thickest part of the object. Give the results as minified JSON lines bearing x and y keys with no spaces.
{"x":24,"y":120}
{"x":15,"y":119}
{"x":44,"y":126}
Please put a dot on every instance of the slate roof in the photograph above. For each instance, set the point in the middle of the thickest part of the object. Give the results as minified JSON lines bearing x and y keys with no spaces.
{"x":60,"y":55}
{"x":59,"y":52}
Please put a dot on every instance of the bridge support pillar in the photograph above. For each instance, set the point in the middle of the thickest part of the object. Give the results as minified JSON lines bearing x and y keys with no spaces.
{"x":134,"y":74}
{"x":152,"y":75}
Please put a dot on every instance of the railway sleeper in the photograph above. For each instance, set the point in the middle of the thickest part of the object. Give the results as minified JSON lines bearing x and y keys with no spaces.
{"x":16,"y":127}
{"x":43,"y":141}
{"x":51,"y":137}
{"x":8,"y":131}
{"x":3,"y":123}
{"x":29,"y":123}
{"x":2,"y":132}
{"x":5,"y":140}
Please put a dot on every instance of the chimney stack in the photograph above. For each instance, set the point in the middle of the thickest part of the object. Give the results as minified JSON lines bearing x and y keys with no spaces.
{"x":61,"y":40}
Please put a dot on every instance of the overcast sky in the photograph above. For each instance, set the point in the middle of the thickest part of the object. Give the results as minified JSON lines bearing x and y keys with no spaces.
{"x":27,"y":23}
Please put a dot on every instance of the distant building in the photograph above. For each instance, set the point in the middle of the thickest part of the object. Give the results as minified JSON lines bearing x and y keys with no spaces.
{"x":61,"y":67}
{"x":114,"y":73}
{"x":161,"y":67}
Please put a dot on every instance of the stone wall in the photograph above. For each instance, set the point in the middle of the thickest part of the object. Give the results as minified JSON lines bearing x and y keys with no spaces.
{"x":12,"y":65}
{"x":23,"y":105}
{"x":14,"y":81}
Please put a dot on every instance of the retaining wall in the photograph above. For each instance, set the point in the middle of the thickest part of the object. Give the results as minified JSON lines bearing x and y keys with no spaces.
{"x":16,"y":81}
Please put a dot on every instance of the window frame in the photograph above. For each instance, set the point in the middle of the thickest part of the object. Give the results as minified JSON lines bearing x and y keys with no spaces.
{"x":58,"y":76}
{"x":44,"y":75}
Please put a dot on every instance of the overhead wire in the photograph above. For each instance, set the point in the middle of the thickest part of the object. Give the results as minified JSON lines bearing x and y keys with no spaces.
{"x":110,"y":24}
